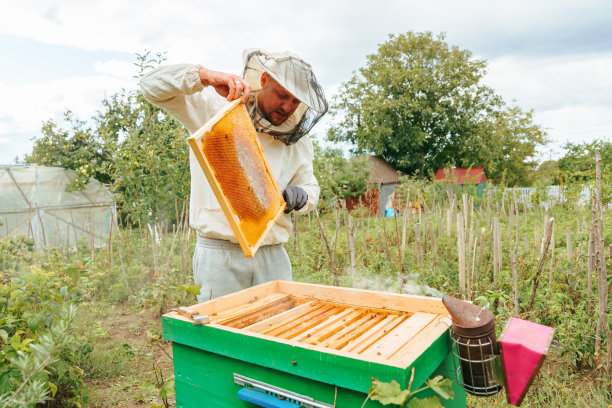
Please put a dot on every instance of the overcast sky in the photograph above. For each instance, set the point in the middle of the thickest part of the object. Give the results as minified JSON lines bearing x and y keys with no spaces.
{"x":554,"y":57}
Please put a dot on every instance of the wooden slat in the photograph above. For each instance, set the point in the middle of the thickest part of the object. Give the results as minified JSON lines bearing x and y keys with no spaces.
{"x":290,"y":323}
{"x":222,"y":303}
{"x":396,"y":338}
{"x":272,"y":310}
{"x":417,"y":346}
{"x":335,"y":324}
{"x":364,"y":341}
{"x":365,"y":298}
{"x":237,"y":312}
{"x":285,"y":316}
{"x":348,"y":333}
{"x":309,"y":323}
{"x":323,"y":326}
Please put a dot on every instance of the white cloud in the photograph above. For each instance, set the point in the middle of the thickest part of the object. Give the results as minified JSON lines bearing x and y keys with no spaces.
{"x":116,"y":68}
{"x":536,"y":49}
{"x":26,"y":107}
{"x":4,"y":140}
{"x":570,"y":95}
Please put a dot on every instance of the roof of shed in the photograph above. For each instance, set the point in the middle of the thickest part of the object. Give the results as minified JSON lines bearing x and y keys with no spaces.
{"x":383,"y":172}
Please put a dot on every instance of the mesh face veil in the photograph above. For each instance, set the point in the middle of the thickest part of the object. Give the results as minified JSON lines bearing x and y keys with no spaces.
{"x":296,"y":76}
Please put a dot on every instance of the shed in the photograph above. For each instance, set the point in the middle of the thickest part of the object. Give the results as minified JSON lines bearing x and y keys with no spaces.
{"x":34,"y":203}
{"x":462,"y":176}
{"x":384,"y":177}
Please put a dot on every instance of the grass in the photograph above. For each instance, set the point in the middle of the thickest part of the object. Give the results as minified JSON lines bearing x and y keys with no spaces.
{"x":121,"y":305}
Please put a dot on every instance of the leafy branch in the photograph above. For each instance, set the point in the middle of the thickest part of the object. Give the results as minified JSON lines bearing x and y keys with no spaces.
{"x":392,"y":393}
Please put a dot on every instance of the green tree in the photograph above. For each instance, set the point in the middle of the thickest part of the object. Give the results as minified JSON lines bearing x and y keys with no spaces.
{"x":578,"y":163}
{"x":340,"y":177}
{"x":77,"y":148}
{"x":136,"y":147}
{"x":149,"y":157}
{"x":420,"y":105}
{"x":505,"y":145}
{"x":577,"y":166}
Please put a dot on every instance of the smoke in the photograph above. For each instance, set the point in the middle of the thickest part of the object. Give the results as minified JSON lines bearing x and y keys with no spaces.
{"x":408,"y":285}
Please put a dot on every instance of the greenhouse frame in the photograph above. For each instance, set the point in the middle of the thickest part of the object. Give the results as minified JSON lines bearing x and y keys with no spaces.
{"x":35,"y":203}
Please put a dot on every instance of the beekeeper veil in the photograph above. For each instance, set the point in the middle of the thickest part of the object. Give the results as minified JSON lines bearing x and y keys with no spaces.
{"x":296,"y":76}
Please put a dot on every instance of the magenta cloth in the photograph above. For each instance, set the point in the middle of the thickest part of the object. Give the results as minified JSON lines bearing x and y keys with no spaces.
{"x":524,"y":345}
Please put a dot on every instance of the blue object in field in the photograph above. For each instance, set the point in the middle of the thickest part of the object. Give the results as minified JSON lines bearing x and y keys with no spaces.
{"x":389,"y":212}
{"x":264,"y":400}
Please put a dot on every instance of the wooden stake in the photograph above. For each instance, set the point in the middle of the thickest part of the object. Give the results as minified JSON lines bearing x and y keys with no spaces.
{"x":541,"y":264}
{"x":297,"y":238}
{"x":536,"y":234}
{"x":399,"y":250}
{"x":461,"y":253}
{"x":602,"y":284}
{"x":591,"y":259}
{"x":568,"y":244}
{"x":552,"y":258}
{"x":481,"y":250}
{"x":496,"y":249}
{"x":351,"y":246}
{"x":332,"y":261}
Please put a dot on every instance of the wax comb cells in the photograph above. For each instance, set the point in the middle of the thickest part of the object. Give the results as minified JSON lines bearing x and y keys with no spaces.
{"x":237,"y":162}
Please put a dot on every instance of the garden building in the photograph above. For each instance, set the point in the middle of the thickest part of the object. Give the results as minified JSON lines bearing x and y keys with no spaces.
{"x":35,"y":202}
{"x":383,"y":179}
{"x":462,"y":176}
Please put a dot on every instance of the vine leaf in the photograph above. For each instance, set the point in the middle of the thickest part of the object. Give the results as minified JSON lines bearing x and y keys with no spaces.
{"x":442,"y":386}
{"x":432,"y":402}
{"x":388,"y":393}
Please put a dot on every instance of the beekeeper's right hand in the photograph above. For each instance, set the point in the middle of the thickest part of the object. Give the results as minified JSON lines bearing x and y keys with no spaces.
{"x":227,"y":85}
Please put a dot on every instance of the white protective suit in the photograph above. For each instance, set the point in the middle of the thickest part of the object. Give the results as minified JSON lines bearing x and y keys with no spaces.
{"x":178,"y":89}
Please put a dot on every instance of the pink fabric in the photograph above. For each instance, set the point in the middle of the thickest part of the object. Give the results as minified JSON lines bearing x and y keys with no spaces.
{"x":524,"y":345}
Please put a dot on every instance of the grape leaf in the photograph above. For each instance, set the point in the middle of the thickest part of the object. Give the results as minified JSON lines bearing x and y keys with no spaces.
{"x":442,"y":386}
{"x":388,"y":393}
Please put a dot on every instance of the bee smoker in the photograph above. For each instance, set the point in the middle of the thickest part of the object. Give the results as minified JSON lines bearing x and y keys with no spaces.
{"x":486,"y":364}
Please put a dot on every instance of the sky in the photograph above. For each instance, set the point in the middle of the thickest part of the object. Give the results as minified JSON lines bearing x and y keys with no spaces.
{"x":552,"y":57}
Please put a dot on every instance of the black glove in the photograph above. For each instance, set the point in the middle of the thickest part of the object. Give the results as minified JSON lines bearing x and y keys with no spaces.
{"x":295,"y":197}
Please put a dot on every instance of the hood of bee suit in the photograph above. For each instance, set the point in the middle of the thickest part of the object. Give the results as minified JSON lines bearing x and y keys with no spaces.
{"x":296,"y":76}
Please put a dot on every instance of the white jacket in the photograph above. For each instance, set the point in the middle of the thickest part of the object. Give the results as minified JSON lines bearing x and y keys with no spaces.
{"x":178,"y":89}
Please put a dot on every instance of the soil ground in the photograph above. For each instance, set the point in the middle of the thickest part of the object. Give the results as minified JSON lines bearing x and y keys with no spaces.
{"x":127,"y":331}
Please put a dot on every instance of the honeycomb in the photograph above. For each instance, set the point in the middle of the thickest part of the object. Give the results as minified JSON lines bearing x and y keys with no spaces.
{"x":231,"y":148}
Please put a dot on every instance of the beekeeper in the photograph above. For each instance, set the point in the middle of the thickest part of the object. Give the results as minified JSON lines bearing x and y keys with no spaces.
{"x":285,"y":101}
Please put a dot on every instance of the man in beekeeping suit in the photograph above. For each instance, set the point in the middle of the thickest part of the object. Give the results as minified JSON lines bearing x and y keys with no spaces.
{"x":285,"y":101}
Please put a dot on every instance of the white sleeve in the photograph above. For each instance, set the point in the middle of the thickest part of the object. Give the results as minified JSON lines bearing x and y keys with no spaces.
{"x":177,"y":89}
{"x":165,"y":83}
{"x":304,"y":175}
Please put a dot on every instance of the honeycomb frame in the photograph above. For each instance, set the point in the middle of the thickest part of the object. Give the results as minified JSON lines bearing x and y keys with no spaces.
{"x":234,"y":125}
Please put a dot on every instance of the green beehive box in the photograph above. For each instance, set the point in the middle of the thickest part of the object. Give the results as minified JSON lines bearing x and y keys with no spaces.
{"x":308,"y":346}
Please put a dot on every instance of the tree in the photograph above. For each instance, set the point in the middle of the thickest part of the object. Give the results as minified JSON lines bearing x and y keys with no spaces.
{"x":340,"y":177}
{"x":577,"y":166}
{"x":136,"y":148}
{"x":419,"y":104}
{"x":77,"y":148}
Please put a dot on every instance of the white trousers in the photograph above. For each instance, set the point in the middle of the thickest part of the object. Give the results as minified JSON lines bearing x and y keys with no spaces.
{"x":220,"y":267}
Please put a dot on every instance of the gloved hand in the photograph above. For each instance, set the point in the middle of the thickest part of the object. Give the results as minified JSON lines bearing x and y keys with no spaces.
{"x":295,"y":197}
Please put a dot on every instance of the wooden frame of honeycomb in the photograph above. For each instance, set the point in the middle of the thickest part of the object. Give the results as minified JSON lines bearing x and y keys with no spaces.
{"x":233,"y":161}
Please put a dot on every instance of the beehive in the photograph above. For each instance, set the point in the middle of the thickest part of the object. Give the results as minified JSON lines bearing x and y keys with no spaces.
{"x":229,"y":152}
{"x":321,"y":341}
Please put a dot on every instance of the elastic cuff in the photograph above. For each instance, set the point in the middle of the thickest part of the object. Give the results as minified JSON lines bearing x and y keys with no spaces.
{"x":195,"y":77}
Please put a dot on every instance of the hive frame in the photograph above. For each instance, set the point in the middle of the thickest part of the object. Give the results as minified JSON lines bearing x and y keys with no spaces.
{"x":195,"y":142}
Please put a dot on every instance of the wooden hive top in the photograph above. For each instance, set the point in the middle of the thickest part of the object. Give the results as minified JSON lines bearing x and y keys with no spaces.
{"x":232,"y":158}
{"x":378,"y":327}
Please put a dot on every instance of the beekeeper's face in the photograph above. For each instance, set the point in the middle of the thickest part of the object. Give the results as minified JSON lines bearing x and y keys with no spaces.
{"x":274,"y":101}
